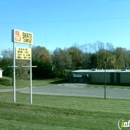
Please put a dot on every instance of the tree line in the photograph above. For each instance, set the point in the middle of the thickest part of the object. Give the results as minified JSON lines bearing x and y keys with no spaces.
{"x":61,"y":62}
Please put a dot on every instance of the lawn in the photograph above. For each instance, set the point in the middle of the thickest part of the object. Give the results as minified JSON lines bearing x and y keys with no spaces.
{"x":61,"y":112}
{"x":58,"y":112}
{"x":6,"y":82}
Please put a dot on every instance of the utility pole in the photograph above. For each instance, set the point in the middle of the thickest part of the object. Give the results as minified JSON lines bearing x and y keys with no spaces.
{"x":105,"y":78}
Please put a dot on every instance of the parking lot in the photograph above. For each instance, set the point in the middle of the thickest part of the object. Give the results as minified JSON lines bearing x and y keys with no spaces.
{"x":79,"y":90}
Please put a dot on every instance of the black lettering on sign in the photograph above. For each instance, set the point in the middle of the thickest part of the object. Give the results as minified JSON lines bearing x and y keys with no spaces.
{"x":24,"y":35}
{"x":27,"y":37}
{"x":20,"y":51}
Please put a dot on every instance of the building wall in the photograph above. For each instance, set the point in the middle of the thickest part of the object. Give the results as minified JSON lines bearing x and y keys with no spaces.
{"x":125,"y":78}
{"x":0,"y":74}
{"x":83,"y":79}
{"x":98,"y":77}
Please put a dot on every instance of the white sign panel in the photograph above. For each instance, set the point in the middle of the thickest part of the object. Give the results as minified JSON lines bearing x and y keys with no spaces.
{"x":22,"y":37}
{"x":23,"y":53}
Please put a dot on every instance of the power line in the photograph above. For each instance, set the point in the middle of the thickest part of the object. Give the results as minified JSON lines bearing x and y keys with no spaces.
{"x":71,"y":20}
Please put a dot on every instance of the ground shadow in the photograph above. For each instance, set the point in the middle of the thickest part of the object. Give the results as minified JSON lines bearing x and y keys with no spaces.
{"x":60,"y":81}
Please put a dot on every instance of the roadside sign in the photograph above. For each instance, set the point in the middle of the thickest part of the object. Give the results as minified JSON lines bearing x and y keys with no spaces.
{"x":23,"y":53}
{"x":22,"y":37}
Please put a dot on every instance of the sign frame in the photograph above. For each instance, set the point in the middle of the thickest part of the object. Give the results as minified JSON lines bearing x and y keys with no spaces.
{"x":19,"y":36}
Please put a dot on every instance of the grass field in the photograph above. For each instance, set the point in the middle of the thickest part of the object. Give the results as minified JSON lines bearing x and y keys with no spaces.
{"x":6,"y":82}
{"x":61,"y":112}
{"x":58,"y":112}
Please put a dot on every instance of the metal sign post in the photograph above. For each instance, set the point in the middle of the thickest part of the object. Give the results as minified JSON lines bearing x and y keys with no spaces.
{"x":31,"y":78}
{"x":14,"y":82}
{"x":22,"y":54}
{"x":105,"y":78}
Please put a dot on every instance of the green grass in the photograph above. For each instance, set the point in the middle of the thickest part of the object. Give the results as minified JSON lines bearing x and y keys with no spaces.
{"x":6,"y":82}
{"x":61,"y":112}
{"x":58,"y":112}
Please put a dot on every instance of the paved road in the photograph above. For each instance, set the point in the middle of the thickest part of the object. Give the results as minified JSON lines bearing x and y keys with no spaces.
{"x":80,"y":90}
{"x":76,"y":90}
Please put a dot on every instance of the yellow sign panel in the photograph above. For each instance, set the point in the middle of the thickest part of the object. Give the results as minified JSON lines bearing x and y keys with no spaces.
{"x":22,"y":37}
{"x":23,"y":53}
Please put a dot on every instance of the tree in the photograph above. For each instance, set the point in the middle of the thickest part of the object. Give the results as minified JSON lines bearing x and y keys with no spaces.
{"x":111,"y":59}
{"x":109,"y":47}
{"x":61,"y":60}
{"x":42,"y":59}
{"x":121,"y":57}
{"x":76,"y":56}
{"x":86,"y":60}
{"x":93,"y":62}
{"x":127,"y":60}
{"x":98,"y":46}
{"x":6,"y":60}
{"x":86,"y":50}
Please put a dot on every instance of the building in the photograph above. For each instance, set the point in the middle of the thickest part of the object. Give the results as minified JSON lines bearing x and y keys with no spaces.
{"x":99,"y":76}
{"x":1,"y":73}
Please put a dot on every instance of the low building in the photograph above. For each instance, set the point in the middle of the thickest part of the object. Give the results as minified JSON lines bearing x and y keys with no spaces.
{"x":99,"y":76}
{"x":1,"y":73}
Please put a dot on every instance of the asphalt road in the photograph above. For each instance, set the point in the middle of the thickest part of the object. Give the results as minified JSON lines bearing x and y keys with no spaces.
{"x":79,"y":90}
{"x":75,"y":90}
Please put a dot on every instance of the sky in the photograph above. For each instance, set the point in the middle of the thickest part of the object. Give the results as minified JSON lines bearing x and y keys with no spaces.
{"x":62,"y":23}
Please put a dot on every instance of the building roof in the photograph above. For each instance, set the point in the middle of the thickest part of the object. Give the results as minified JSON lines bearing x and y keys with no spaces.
{"x":97,"y":70}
